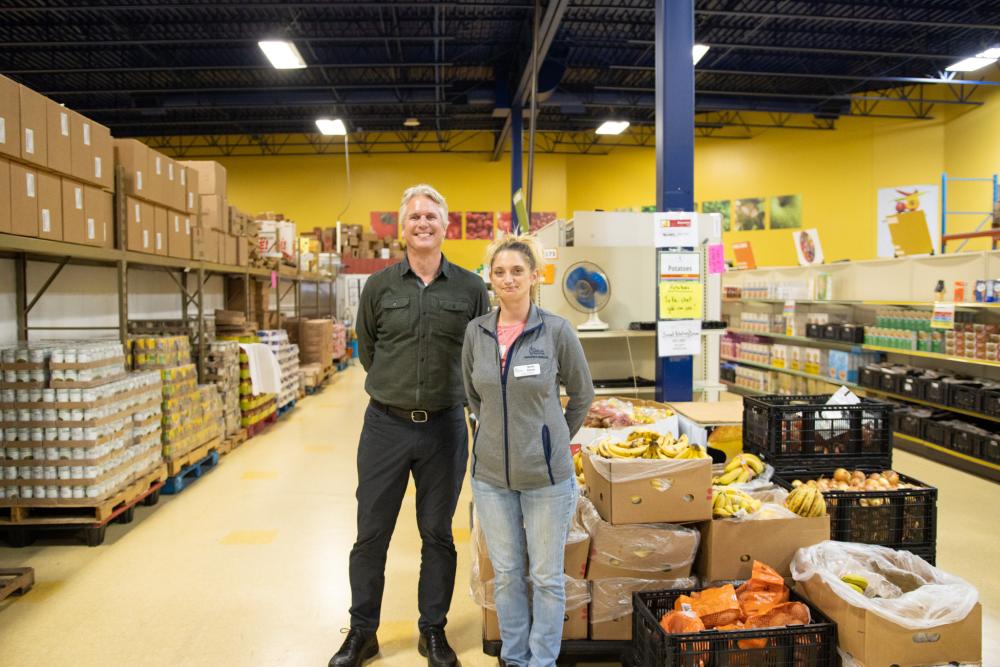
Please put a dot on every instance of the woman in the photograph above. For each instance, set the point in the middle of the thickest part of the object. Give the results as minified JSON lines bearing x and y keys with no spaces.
{"x":523,"y":480}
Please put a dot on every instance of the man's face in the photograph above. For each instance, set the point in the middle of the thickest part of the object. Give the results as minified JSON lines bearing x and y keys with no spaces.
{"x":423,"y":224}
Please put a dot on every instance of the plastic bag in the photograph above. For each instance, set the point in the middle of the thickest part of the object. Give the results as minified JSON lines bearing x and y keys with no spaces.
{"x":764,"y":590}
{"x":659,"y":472}
{"x":680,"y":622}
{"x":714,"y":606}
{"x":912,"y":593}
{"x":588,"y":435}
{"x":647,"y":547}
{"x":612,"y":598}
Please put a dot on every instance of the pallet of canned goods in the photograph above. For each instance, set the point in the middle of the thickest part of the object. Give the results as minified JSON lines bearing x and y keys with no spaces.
{"x":222,"y":369}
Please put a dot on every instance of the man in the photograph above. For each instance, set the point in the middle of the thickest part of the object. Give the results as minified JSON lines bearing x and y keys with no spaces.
{"x":411,"y":325}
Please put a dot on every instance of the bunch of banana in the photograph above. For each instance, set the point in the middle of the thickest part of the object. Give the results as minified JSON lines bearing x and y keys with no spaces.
{"x":578,"y":465}
{"x":693,"y":451}
{"x":648,"y":445}
{"x":741,"y":469}
{"x":728,"y":502}
{"x":806,"y":500}
{"x":855,"y":581}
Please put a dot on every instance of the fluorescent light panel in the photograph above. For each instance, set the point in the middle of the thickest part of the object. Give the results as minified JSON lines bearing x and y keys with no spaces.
{"x":978,"y":61}
{"x":331,"y":127}
{"x":699,"y":50}
{"x":612,"y":127}
{"x":282,"y":54}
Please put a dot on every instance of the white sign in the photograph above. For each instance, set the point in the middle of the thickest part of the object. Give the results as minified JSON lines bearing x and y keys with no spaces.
{"x":680,"y":265}
{"x":550,"y":253}
{"x":678,"y":338}
{"x":675,"y":230}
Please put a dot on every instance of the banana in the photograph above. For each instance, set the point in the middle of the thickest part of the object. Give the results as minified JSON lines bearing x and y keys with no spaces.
{"x":855,"y":587}
{"x":727,"y":478}
{"x":855,"y":580}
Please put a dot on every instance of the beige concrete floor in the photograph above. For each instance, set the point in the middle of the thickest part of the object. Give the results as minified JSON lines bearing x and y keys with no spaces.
{"x":249,"y":565}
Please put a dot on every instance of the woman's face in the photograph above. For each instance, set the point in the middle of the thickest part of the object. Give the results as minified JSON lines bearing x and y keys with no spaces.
{"x":511,"y":275}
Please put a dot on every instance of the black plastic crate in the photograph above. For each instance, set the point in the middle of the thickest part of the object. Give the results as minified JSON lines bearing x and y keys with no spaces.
{"x":870,"y":376}
{"x":831,"y":331}
{"x":814,"y":331}
{"x":936,"y":429}
{"x":989,"y":448}
{"x":889,"y":381}
{"x":814,"y":644}
{"x":852,"y":333}
{"x":801,"y":431}
{"x":900,"y":519}
{"x":935,"y":390}
{"x":965,"y":395}
{"x":910,"y":424}
{"x":991,"y":402}
{"x":965,"y":442}
{"x":910,"y":386}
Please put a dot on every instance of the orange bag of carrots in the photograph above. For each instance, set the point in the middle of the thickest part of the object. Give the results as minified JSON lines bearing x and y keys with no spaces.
{"x":764,"y":590}
{"x":788,"y":613}
{"x":681,"y":621}
{"x":715,"y":606}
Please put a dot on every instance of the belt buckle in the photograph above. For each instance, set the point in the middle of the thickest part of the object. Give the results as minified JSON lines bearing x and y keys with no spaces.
{"x":415,"y":414}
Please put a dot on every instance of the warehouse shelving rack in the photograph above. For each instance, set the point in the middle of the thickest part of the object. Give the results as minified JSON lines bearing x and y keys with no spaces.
{"x":190,"y":276}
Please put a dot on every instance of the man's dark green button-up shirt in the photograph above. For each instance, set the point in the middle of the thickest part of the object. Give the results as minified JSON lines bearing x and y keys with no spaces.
{"x":410,"y":335}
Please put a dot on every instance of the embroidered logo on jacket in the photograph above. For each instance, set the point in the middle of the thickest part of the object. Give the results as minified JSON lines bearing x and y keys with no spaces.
{"x":536,"y":353}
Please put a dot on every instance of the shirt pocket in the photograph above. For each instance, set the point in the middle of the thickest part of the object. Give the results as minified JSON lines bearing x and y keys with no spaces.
{"x":395,"y":313}
{"x":452,"y":317}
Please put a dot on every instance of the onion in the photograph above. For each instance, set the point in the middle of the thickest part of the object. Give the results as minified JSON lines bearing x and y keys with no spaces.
{"x":841,"y":474}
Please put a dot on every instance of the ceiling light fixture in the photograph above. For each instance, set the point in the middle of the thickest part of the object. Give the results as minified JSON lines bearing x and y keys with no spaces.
{"x":612,"y":127}
{"x":411,"y":122}
{"x":698,"y":51}
{"x":331,"y":127}
{"x":282,"y":54}
{"x":978,"y":61}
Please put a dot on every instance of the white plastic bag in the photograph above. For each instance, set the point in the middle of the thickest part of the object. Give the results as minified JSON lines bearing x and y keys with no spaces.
{"x":911,"y":593}
{"x":761,"y":481}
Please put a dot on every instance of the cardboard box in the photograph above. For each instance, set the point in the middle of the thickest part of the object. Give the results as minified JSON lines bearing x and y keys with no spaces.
{"x":611,"y":606}
{"x":214,"y":211}
{"x":34,"y":147}
{"x":160,"y":230}
{"x":141,"y":225}
{"x":729,"y":548}
{"x":175,"y":191}
{"x":206,"y":244}
{"x":57,"y":135}
{"x":5,"y":185}
{"x":658,"y":491}
{"x":73,"y":211}
{"x":81,"y":146}
{"x":189,"y":182}
{"x":575,"y":557}
{"x":95,"y":211}
{"x":575,"y":621}
{"x":231,"y":253}
{"x":158,"y":186}
{"x":10,"y":118}
{"x":178,"y":235}
{"x":878,"y":642}
{"x":211,"y":177}
{"x":641,"y":552}
{"x":133,"y":156}
{"x":102,"y":157}
{"x":242,"y":251}
{"x":23,"y":200}
{"x":50,"y":220}
{"x":108,"y":231}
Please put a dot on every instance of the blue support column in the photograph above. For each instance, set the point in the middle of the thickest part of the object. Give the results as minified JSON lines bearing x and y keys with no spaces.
{"x":516,"y":161}
{"x":674,"y":152}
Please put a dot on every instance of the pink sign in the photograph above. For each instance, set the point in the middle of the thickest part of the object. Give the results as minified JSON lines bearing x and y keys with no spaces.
{"x":716,"y":259}
{"x":274,"y":280}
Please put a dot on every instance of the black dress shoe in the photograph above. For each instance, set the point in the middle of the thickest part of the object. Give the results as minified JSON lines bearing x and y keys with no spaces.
{"x":433,"y":645}
{"x":357,"y":649}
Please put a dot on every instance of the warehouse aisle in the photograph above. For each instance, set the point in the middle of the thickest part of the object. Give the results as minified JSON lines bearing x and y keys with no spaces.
{"x":249,"y":565}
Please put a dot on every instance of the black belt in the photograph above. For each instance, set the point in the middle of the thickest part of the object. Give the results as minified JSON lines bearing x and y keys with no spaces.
{"x":415,"y":416}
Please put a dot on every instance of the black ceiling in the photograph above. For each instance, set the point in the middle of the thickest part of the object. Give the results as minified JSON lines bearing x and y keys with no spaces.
{"x":193,"y":68}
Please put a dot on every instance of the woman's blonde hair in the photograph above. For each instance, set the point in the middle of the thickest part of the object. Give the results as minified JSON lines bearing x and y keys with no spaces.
{"x":528,"y":246}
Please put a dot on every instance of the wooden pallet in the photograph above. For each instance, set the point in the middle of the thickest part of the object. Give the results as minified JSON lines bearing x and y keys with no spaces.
{"x":286,"y":408}
{"x":16,"y":581}
{"x":191,"y":472}
{"x":178,"y":463}
{"x":84,"y":511}
{"x":232,"y":442}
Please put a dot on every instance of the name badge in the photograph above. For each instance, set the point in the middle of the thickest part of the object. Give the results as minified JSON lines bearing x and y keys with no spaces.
{"x":527,"y":370}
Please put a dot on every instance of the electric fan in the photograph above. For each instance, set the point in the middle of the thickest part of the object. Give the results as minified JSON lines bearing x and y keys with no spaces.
{"x":587,"y":289}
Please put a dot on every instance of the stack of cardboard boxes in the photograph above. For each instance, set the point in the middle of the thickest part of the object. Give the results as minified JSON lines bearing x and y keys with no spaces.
{"x":316,"y":342}
{"x":56,"y":171}
{"x":161,"y":201}
{"x":236,"y":242}
{"x":211,"y":183}
{"x":356,"y":243}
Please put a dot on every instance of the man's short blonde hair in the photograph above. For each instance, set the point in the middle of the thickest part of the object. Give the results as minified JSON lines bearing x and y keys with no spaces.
{"x":424,"y":190}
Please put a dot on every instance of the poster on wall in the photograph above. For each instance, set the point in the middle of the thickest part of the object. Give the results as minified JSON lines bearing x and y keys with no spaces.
{"x":541,"y":218}
{"x":385,"y":223}
{"x":909,"y":220}
{"x":786,"y":212}
{"x":505,"y":222}
{"x":749,"y":214}
{"x":478,"y":225}
{"x":722,"y":207}
{"x":807,"y":247}
{"x":454,"y":229}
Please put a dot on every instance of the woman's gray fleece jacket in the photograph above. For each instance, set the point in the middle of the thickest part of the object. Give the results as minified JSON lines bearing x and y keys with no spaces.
{"x":522,"y":440}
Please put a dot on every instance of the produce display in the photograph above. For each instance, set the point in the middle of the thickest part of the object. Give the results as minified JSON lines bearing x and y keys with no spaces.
{"x":640,"y":445}
{"x":741,"y":469}
{"x":616,"y":413}
{"x":727,"y":503}
{"x":806,"y":500}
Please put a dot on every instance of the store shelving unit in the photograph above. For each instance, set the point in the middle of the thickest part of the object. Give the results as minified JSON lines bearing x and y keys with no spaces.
{"x":933,"y":355}
{"x":928,"y":404}
{"x":190,"y":276}
{"x":616,"y":333}
{"x":812,"y":342}
{"x":789,"y":371}
{"x":948,"y":457}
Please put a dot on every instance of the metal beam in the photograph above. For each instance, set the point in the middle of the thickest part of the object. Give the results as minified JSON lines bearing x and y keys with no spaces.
{"x":805,"y":96}
{"x":245,"y":89}
{"x":547,"y":29}
{"x":786,"y":48}
{"x":241,"y":9}
{"x":820,"y":75}
{"x":848,"y":19}
{"x":226,"y":67}
{"x":45,"y":286}
{"x":220,"y":41}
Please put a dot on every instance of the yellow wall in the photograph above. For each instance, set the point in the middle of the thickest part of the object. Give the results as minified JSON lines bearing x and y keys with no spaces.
{"x":837,"y":172}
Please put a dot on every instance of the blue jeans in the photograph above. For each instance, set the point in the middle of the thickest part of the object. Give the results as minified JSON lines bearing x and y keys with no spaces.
{"x":533,"y":523}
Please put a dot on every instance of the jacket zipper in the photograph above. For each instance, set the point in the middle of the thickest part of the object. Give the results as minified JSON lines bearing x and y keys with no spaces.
{"x":504,"y":369}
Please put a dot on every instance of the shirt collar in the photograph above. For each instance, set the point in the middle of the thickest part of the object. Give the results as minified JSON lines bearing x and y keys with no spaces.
{"x":444,"y":270}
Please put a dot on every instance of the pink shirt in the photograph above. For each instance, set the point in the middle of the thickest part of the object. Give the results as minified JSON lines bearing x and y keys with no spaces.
{"x":505,"y":336}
